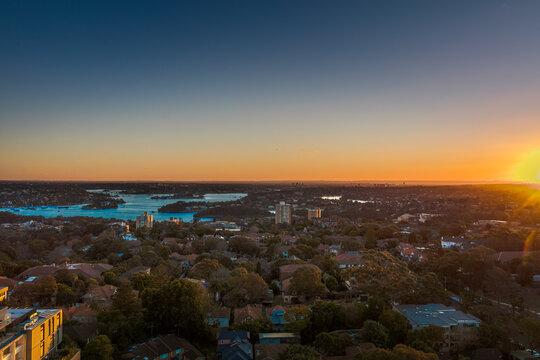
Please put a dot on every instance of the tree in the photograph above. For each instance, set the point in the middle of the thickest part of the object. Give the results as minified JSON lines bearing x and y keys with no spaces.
{"x":374,"y":354}
{"x":370,"y":238}
{"x":46,"y":288}
{"x":351,"y":245}
{"x":110,"y":278}
{"x":531,"y":328}
{"x":307,"y":281}
{"x":204,"y":268}
{"x":299,"y":352}
{"x":256,"y":287}
{"x":99,"y":348}
{"x":525,"y":273}
{"x":298,"y":319}
{"x":403,"y":352}
{"x":430,"y":289}
{"x":178,"y":307}
{"x":400,"y":352}
{"x":125,"y":301}
{"x":356,"y":315}
{"x":375,"y":333}
{"x":396,"y":325}
{"x":123,"y":324}
{"x":327,"y":265}
{"x":330,"y":282}
{"x":491,"y":335}
{"x":244,"y":245}
{"x":374,"y":309}
{"x":427,"y":338}
{"x":324,"y":342}
{"x":332,"y":344}
{"x":325,"y":316}
{"x":65,"y":295}
{"x":243,"y":288}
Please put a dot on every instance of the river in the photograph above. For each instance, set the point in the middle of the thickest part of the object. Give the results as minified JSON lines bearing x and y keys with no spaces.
{"x":135,"y":205}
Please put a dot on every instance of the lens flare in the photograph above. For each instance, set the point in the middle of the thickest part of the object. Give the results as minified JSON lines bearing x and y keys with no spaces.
{"x":528,"y":168}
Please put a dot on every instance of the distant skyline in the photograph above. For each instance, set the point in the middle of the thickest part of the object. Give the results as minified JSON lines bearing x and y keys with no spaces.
{"x":268,"y":91}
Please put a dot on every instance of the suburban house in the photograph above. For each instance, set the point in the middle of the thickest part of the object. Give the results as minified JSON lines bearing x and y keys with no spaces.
{"x":163,"y":347}
{"x":285,"y":275}
{"x":100,"y":295}
{"x":279,"y":338}
{"x":410,"y":253}
{"x":286,"y":271}
{"x":346,"y":261}
{"x":220,"y":317}
{"x":234,"y":345}
{"x":85,"y":328}
{"x":136,"y":270}
{"x":249,"y":312}
{"x":277,"y":317}
{"x":88,"y":271}
{"x":9,"y":283}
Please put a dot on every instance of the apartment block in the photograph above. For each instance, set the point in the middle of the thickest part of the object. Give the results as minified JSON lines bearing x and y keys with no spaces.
{"x":29,"y":334}
{"x":283,"y":213}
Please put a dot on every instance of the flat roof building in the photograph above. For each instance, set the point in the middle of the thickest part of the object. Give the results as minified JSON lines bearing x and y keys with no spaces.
{"x":460,"y":328}
{"x":420,"y":316}
{"x":29,"y":334}
{"x":42,"y":327}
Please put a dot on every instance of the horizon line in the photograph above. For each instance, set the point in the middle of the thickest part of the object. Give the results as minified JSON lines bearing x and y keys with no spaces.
{"x":396,"y":182}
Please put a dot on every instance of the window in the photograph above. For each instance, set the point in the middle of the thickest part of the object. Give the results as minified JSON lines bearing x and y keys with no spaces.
{"x":42,"y":328}
{"x":42,"y":349}
{"x":49,"y":327}
{"x":53,"y":324}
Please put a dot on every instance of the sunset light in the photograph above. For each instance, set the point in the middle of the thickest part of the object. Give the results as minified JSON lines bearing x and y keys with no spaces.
{"x":528,"y":168}
{"x":269,"y":179}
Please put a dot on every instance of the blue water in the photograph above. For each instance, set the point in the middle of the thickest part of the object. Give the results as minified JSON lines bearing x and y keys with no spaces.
{"x":134,"y":206}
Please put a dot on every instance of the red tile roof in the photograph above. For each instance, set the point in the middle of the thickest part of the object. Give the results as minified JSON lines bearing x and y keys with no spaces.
{"x":247,"y":312}
{"x":286,"y":271}
{"x":349,"y":259}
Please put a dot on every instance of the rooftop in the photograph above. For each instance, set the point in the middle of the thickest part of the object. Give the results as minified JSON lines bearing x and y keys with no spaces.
{"x":28,"y":318}
{"x":436,"y":314}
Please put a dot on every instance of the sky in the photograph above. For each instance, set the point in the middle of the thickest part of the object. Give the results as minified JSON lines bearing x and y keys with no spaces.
{"x":270,"y":90}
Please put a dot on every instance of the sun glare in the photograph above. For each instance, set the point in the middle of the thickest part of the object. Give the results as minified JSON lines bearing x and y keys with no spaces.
{"x":528,"y":168}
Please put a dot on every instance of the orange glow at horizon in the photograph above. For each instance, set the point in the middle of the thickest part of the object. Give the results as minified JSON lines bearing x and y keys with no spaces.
{"x":241,"y":153}
{"x":266,"y":165}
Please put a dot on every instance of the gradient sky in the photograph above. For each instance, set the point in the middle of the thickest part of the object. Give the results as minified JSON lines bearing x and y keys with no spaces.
{"x":274,"y":90}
